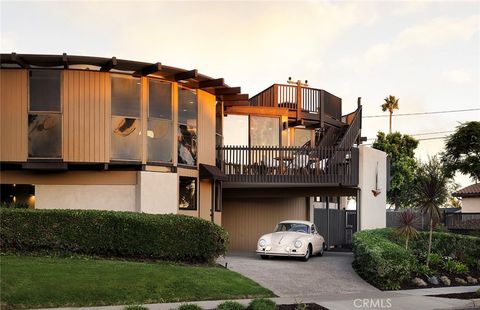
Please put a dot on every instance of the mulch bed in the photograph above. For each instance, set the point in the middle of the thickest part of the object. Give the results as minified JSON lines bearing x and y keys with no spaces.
{"x":409,"y":285}
{"x":296,"y":306}
{"x":470,"y":295}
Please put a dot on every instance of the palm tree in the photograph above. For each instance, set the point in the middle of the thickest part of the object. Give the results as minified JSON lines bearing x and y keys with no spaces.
{"x":407,"y":221}
{"x":391,"y":103}
{"x":430,"y":192}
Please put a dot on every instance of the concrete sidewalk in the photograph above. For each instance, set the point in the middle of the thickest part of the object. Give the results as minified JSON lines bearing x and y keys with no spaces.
{"x":402,"y":300}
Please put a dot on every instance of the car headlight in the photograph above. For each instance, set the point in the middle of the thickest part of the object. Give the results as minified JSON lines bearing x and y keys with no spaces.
{"x":262,"y":243}
{"x":298,"y":244}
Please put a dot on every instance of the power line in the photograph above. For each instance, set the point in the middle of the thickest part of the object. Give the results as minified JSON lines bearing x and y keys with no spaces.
{"x":421,"y":139}
{"x":423,"y":134}
{"x":422,"y":113}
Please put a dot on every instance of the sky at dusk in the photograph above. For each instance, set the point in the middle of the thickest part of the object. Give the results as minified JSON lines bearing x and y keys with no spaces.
{"x":425,"y":53}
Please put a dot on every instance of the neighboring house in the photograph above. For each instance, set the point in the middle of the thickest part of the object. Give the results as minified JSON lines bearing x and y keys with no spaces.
{"x":470,"y":196}
{"x":96,"y":133}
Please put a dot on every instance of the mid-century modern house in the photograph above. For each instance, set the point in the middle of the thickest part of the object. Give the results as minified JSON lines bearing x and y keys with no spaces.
{"x":83,"y":132}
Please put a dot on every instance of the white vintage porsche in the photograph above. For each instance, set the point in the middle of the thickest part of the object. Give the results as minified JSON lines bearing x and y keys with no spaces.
{"x":292,"y":238}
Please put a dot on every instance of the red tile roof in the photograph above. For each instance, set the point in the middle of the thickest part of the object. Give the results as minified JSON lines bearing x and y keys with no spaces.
{"x":472,"y":190}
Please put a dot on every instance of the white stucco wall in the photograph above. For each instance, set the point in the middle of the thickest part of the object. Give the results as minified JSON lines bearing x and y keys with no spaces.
{"x":470,"y":204}
{"x":372,"y":209}
{"x":157,"y":192}
{"x":91,"y":197}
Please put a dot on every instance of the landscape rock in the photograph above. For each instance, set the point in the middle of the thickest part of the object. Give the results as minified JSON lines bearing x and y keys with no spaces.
{"x":471,"y":280}
{"x":460,"y":281}
{"x":445,"y":280}
{"x":433,"y":280}
{"x":419,"y":282}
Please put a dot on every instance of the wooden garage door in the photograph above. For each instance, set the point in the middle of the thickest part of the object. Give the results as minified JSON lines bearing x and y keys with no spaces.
{"x":247,"y":219}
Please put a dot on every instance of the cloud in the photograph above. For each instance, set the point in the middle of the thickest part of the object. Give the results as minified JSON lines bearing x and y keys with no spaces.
{"x":432,"y":33}
{"x":459,"y":77}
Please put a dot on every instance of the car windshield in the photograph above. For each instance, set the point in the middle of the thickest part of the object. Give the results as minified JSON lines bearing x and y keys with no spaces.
{"x":296,"y":227}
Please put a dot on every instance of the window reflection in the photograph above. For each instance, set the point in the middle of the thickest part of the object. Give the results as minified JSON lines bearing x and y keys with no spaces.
{"x":159,"y":132}
{"x":188,"y":193}
{"x":125,"y":138}
{"x":44,"y":135}
{"x":264,"y":131}
{"x":187,"y":126}
{"x":302,"y":136}
{"x":126,"y":126}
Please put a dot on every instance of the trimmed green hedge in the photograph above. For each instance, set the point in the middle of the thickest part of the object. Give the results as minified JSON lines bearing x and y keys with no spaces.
{"x":381,"y":257}
{"x":111,"y":234}
{"x":380,"y":261}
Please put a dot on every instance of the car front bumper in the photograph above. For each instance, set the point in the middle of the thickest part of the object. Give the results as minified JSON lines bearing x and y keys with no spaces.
{"x":294,"y":252}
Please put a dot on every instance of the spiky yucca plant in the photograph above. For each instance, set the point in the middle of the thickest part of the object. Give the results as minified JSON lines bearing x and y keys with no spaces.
{"x":407,"y":230}
{"x":430,"y":192}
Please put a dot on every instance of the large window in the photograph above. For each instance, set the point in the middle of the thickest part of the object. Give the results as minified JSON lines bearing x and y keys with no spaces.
{"x":264,"y":131}
{"x":188,"y":193}
{"x":302,"y":136}
{"x":187,"y":126}
{"x":45,"y":114}
{"x":159,"y":133}
{"x":126,"y":127}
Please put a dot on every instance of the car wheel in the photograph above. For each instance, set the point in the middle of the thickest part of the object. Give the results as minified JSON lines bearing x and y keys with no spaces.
{"x":307,"y":254}
{"x":264,"y":256}
{"x":322,"y":249}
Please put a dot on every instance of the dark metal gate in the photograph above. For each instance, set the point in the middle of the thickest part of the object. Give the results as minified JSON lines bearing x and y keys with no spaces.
{"x":336,"y":226}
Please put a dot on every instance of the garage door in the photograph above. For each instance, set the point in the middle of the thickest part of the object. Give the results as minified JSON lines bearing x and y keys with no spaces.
{"x":247,"y":219}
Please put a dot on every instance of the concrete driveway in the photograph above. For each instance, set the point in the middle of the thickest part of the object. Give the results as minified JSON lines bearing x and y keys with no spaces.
{"x":286,"y":277}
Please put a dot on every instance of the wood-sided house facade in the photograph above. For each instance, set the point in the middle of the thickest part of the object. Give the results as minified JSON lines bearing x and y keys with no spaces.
{"x":83,"y":132}
{"x":104,"y":133}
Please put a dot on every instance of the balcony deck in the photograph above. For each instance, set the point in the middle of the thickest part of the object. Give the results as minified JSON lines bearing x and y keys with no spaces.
{"x":292,"y":166}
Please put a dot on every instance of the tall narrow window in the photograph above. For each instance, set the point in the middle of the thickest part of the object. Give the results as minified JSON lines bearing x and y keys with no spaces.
{"x":188,"y":193}
{"x":45,"y":114}
{"x":187,"y":126}
{"x":159,"y":133}
{"x":125,"y":118}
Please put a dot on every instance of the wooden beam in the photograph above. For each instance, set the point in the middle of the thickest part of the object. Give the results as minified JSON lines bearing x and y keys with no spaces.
{"x":211,"y":83}
{"x":298,"y":122}
{"x":236,"y":103}
{"x":148,"y":70}
{"x":249,"y":110}
{"x":227,"y":91}
{"x":235,"y":97}
{"x":65,"y":60}
{"x":192,"y":74}
{"x":19,"y":60}
{"x":109,"y":65}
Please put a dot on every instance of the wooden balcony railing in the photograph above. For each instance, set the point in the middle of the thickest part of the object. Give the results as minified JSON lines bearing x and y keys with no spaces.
{"x":306,"y":165}
{"x":311,"y":100}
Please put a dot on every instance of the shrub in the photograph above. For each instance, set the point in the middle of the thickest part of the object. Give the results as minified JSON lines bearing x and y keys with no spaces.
{"x":262,"y":304}
{"x":230,"y":305}
{"x":13,"y":205}
{"x":190,"y":307}
{"x":453,"y":245}
{"x":381,"y":261}
{"x":111,"y":234}
{"x":422,"y":271}
{"x":455,"y":267}
{"x":436,"y":260}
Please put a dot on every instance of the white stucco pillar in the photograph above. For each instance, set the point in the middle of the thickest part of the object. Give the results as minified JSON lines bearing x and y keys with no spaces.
{"x":373,"y":187}
{"x":157,"y":192}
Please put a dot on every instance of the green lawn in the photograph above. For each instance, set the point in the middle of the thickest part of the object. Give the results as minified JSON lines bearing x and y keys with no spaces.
{"x":33,"y":282}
